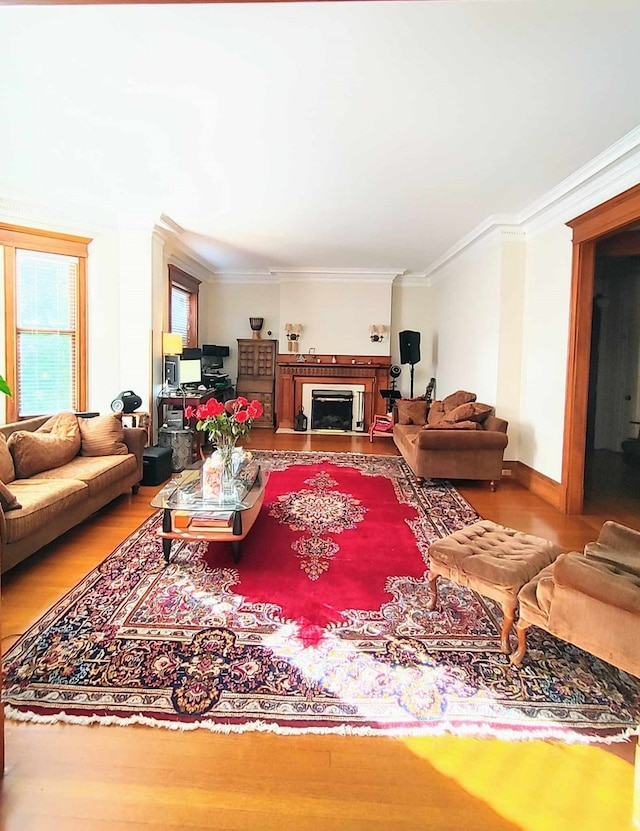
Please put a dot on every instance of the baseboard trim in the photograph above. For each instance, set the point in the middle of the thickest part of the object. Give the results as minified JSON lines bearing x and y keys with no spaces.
{"x":544,"y":487}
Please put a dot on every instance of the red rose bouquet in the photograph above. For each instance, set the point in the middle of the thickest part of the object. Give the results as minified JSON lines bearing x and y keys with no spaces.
{"x":224,"y":424}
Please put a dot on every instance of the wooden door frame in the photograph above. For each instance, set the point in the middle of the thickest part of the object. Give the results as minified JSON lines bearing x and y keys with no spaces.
{"x":587,"y":228}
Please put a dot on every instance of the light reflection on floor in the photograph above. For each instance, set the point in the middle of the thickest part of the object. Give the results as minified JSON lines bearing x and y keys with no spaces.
{"x":538,"y":786}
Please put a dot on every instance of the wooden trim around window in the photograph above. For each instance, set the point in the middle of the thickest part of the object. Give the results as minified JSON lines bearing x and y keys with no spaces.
{"x":184,"y":281}
{"x":47,"y":241}
{"x":178,"y":277}
{"x":13,"y":237}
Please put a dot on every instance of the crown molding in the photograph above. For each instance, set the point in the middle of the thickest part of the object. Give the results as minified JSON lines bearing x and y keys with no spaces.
{"x":188,"y":264}
{"x":607,"y":183}
{"x":63,"y":218}
{"x":178,"y":252}
{"x":240,"y":278}
{"x":413,"y":279}
{"x":611,"y":172}
{"x":608,"y":173}
{"x":499,"y":226}
{"x":337,"y":275}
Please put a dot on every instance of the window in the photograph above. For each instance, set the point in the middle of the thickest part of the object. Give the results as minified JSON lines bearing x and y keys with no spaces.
{"x":183,"y":305}
{"x":45,"y":340}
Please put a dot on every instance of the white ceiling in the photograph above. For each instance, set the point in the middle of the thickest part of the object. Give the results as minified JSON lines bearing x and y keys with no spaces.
{"x":330,"y":135}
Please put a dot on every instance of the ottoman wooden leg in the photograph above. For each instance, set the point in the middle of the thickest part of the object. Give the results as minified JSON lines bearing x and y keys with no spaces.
{"x":517,"y":657}
{"x":433,"y":590}
{"x":507,"y":623}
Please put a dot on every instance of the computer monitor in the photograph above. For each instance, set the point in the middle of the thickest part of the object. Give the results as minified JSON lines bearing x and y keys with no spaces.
{"x":210,"y":350}
{"x":213,"y":358}
{"x":171,"y":370}
{"x":211,"y":364}
{"x":189,"y":372}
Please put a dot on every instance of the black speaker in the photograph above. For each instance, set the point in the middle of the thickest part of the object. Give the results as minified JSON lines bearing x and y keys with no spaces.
{"x":126,"y":402}
{"x":409,"y":347}
{"x":156,"y":465}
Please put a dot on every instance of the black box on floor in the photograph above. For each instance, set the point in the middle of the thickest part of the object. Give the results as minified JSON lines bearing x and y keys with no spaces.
{"x":156,"y":465}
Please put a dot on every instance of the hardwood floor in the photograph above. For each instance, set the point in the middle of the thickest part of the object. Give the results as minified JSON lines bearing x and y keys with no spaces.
{"x":91,"y":778}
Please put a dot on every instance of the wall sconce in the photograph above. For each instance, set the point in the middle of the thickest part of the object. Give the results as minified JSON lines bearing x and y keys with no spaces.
{"x":293,"y":331}
{"x":376,"y":332}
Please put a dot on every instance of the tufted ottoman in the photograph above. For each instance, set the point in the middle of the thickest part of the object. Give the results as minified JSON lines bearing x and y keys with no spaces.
{"x":494,"y":561}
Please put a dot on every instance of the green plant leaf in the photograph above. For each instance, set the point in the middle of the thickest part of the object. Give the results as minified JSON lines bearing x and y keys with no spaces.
{"x":4,"y":387}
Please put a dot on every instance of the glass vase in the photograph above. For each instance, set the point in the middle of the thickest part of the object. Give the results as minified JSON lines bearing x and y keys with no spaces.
{"x":227,"y":477}
{"x":211,"y":478}
{"x":218,"y":474}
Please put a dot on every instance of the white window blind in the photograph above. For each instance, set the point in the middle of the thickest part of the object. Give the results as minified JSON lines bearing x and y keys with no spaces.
{"x":180,"y":304}
{"x":46,"y":332}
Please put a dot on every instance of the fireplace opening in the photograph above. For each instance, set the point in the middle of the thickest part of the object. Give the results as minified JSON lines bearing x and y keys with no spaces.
{"x":331,"y":410}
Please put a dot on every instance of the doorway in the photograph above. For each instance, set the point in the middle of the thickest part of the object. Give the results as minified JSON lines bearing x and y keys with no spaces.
{"x":589,"y":229}
{"x":612,"y":478}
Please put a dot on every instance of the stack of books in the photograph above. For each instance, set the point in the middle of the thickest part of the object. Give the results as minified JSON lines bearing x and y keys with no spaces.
{"x":203,"y":521}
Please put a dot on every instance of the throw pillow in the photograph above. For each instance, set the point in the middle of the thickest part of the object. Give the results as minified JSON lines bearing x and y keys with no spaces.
{"x":7,"y":470}
{"x":102,"y":436}
{"x":411,"y":411}
{"x":453,"y":425}
{"x":34,"y":452}
{"x":8,"y":500}
{"x":456,"y":398}
{"x":480,"y":412}
{"x":468,"y":412}
{"x":436,"y":412}
{"x":64,"y":426}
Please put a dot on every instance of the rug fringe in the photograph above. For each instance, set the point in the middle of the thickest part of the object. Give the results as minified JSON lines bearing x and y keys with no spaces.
{"x":480,"y":731}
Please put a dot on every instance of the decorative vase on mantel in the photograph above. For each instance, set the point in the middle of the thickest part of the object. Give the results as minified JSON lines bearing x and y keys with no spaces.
{"x":256,"y":326}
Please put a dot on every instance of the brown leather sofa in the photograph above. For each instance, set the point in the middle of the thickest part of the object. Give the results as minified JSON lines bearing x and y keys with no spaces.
{"x":456,"y":438}
{"x":55,"y":472}
{"x":590,"y":599}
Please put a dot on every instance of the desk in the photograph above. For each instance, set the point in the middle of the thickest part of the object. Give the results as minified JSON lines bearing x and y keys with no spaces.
{"x":192,"y":399}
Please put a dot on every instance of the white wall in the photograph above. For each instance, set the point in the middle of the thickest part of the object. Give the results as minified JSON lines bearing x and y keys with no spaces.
{"x":226,"y":306}
{"x":545,"y":341}
{"x":478,"y":299}
{"x":413,"y":310}
{"x":512,"y":280}
{"x":467,"y":295}
{"x":336,"y":313}
{"x":502,"y":308}
{"x":105,"y":335}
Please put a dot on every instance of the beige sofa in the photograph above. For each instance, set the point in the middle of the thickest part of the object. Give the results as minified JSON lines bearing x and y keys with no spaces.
{"x":589,"y":599}
{"x":456,"y":438}
{"x":57,"y":471}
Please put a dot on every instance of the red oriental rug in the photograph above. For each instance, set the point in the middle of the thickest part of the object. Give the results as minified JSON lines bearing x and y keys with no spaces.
{"x":320,"y":627}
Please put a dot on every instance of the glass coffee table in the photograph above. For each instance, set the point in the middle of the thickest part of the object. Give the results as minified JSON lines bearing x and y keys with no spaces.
{"x":189,"y":516}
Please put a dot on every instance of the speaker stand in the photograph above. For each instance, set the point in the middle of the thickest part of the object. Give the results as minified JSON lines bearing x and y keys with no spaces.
{"x":412,"y":371}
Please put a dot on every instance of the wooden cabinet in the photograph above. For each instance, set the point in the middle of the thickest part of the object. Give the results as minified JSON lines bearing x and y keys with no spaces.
{"x":257,"y":376}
